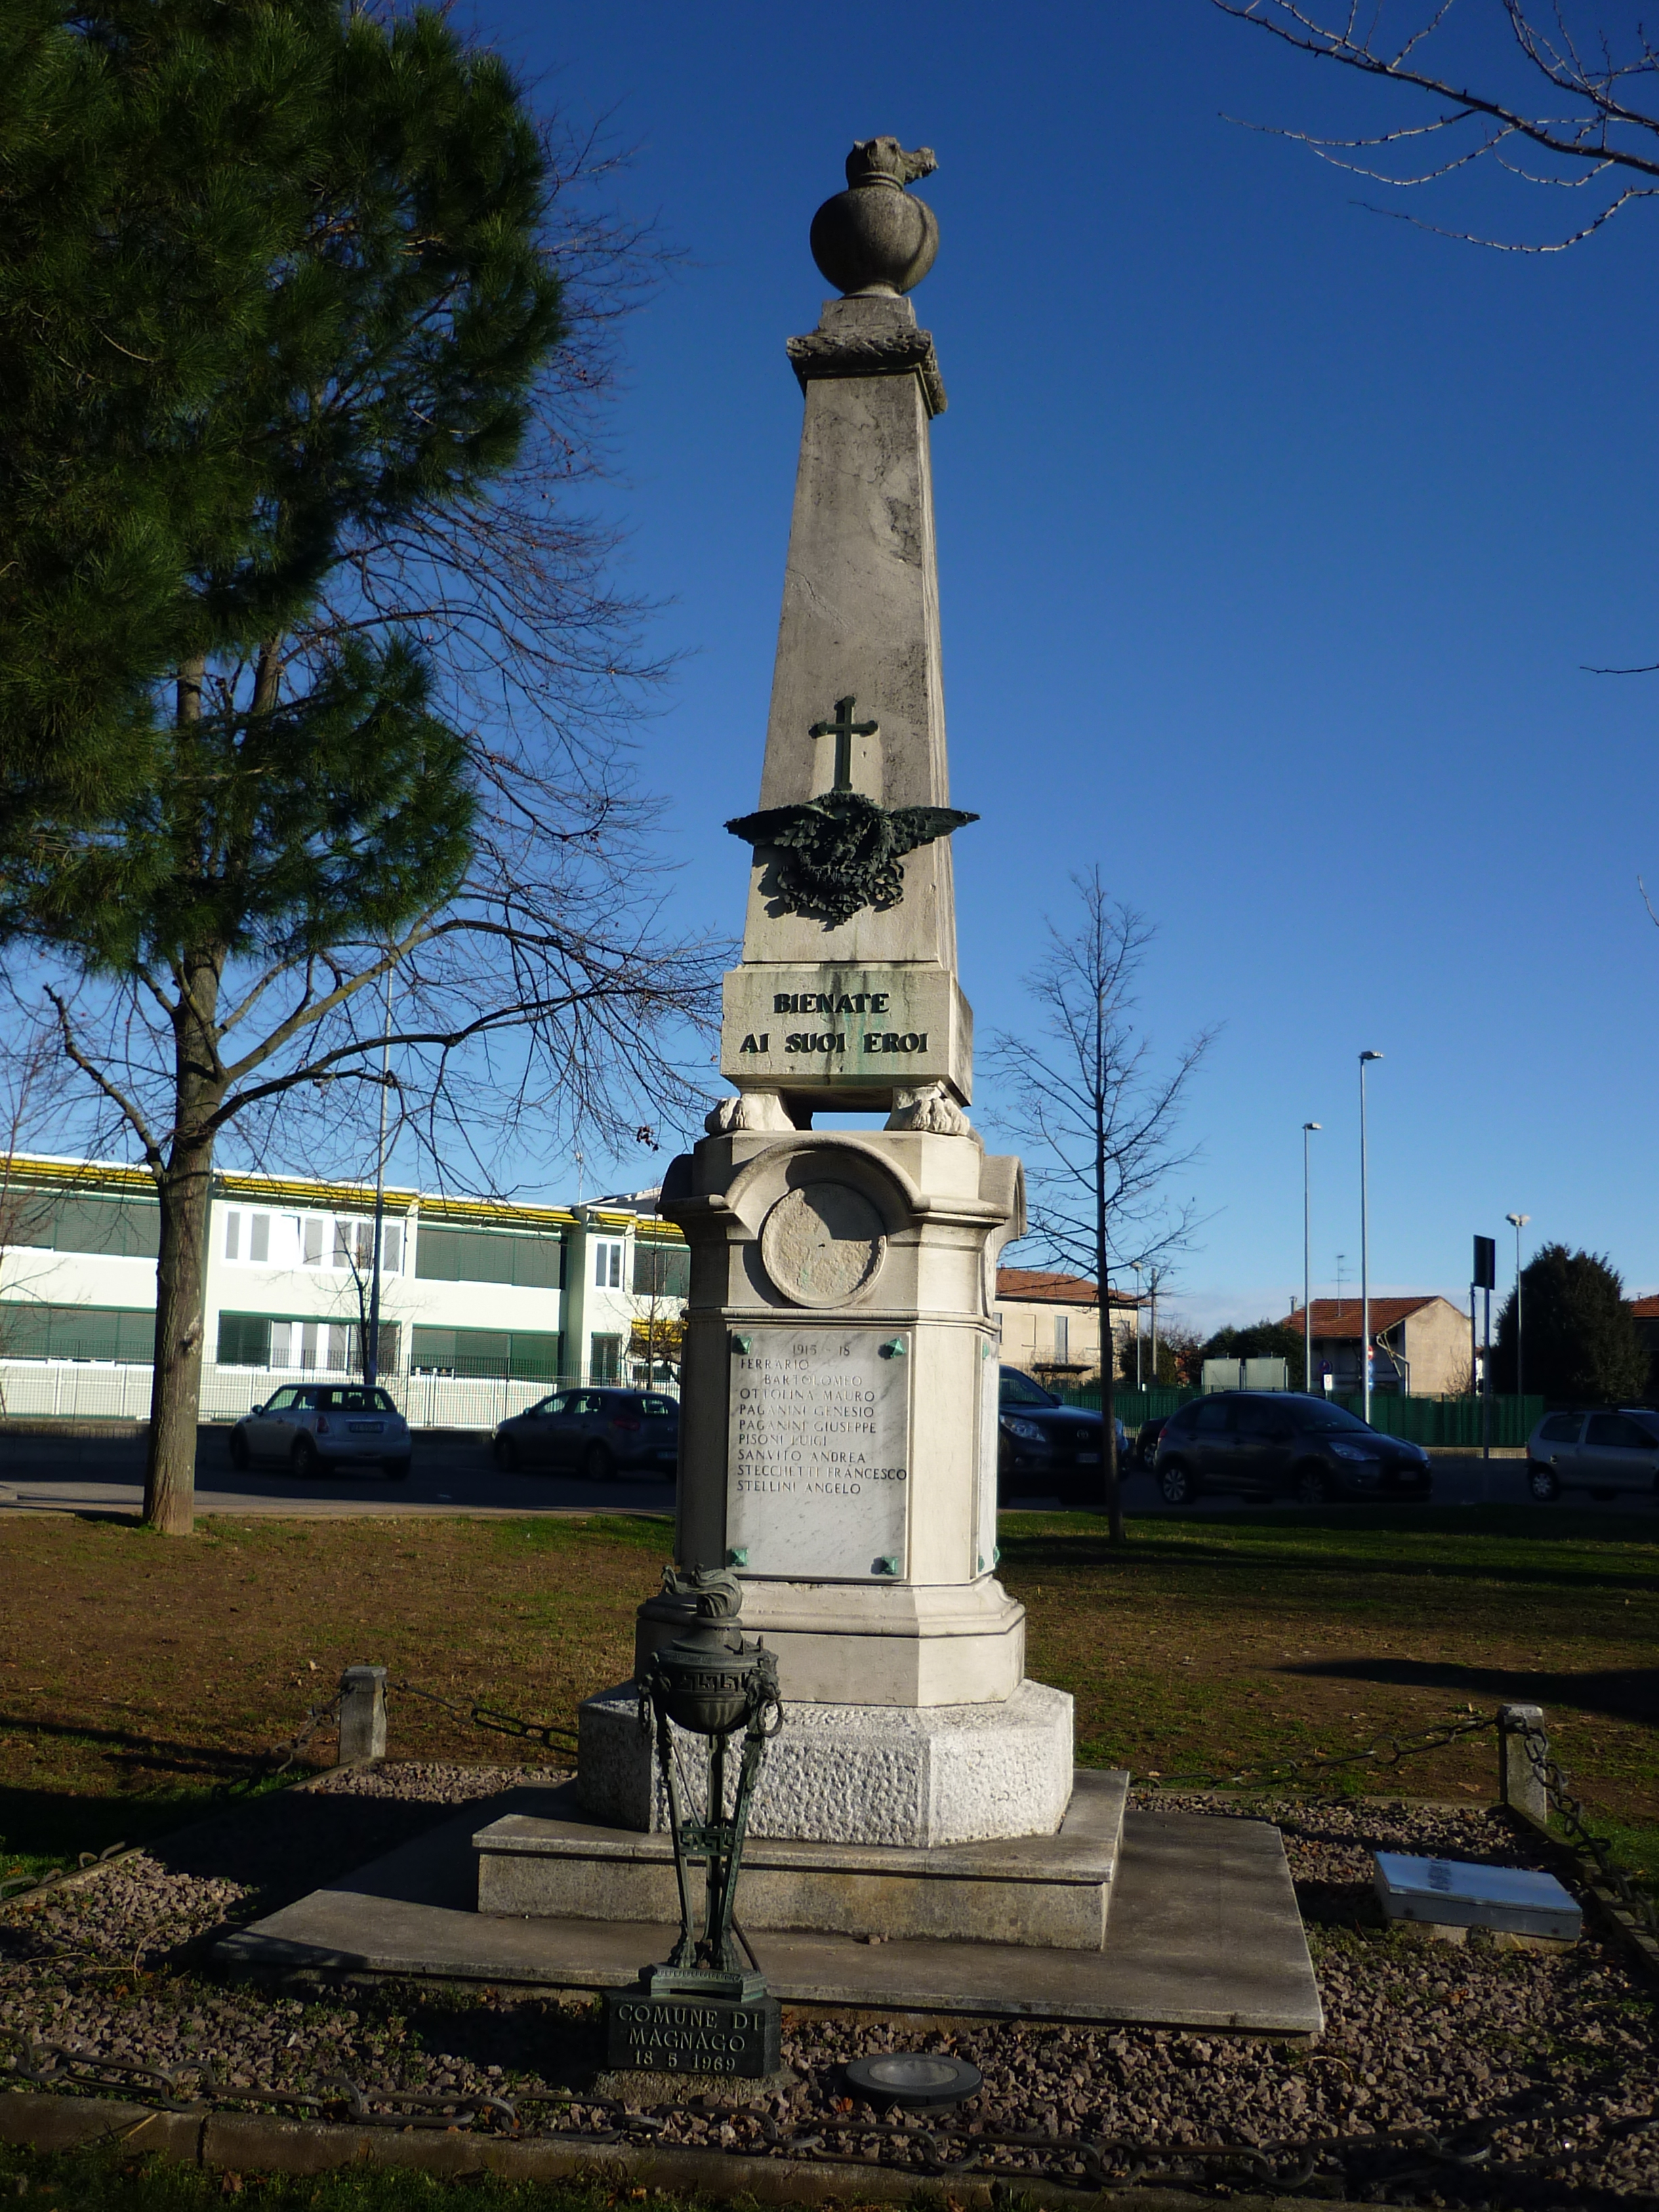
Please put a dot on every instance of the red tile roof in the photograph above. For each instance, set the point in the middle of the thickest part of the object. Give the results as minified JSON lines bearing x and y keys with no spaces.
{"x":1646,"y":1309}
{"x":1341,"y":1323}
{"x":1042,"y":1286}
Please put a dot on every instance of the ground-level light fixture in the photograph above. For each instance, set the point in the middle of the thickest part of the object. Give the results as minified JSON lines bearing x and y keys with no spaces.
{"x":912,"y":2078}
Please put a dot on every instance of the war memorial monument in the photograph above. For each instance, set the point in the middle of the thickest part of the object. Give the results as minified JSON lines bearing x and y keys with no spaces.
{"x":918,"y":1837}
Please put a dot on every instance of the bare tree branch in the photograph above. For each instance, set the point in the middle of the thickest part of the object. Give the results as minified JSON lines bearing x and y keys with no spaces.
{"x":1098,"y":1122}
{"x":1610,"y":131}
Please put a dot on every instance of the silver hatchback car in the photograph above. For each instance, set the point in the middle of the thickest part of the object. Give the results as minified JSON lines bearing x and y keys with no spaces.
{"x":308,"y":1426}
{"x":1602,"y":1453}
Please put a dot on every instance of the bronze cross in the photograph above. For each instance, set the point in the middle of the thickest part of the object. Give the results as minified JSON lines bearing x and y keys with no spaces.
{"x":843,"y":729}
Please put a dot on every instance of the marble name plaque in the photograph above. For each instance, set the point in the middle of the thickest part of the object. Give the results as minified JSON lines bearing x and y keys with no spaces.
{"x":849,"y":1028}
{"x":818,"y":1476}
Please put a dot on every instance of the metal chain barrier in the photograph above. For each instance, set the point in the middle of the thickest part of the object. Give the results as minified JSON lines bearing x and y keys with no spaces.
{"x":1640,"y":1904}
{"x":479,"y":1715}
{"x":265,"y":1768}
{"x":1383,"y":1751}
{"x":281,"y":1756}
{"x":1384,"y":2158}
{"x":18,"y":1885}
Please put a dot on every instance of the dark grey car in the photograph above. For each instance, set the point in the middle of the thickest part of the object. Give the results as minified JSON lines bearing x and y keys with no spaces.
{"x":595,"y":1433}
{"x":1283,"y":1444}
{"x":1602,"y":1453}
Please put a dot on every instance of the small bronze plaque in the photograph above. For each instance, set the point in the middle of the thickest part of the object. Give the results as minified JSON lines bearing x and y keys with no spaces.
{"x":692,"y":2035}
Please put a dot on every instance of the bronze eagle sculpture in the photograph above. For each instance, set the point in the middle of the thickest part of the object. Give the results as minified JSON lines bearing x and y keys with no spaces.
{"x":839,"y":853}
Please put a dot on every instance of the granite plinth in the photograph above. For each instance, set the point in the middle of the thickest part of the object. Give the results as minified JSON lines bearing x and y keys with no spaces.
{"x":1203,"y":1932}
{"x":1051,"y":1892}
{"x":913,"y":1777}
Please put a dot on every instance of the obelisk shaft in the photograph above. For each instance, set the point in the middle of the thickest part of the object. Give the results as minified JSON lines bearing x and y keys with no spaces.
{"x":861,"y":623}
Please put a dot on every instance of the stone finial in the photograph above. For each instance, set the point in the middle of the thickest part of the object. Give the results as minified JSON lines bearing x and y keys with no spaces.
{"x":875,"y":240}
{"x":885,"y":161}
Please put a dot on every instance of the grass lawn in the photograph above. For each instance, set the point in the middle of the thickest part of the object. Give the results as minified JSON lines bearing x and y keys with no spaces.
{"x":136,"y":1672}
{"x":113,"y":2181}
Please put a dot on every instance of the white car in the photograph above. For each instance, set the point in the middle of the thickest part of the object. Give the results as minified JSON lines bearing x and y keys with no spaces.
{"x":1602,"y":1453}
{"x":309,"y":1426}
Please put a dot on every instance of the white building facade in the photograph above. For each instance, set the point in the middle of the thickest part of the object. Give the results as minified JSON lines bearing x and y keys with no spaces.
{"x":473,"y":1292}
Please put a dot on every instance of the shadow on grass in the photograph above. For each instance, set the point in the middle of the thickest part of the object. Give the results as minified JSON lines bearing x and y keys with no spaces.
{"x":277,"y":1845}
{"x":1500,"y":1547}
{"x":1617,"y":1694}
{"x":212,"y":1764}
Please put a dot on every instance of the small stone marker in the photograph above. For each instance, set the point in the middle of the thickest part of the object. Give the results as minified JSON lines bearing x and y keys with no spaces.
{"x":1452,"y":1894}
{"x":692,"y":2034}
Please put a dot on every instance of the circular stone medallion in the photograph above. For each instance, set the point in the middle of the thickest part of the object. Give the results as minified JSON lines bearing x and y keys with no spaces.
{"x":823,"y":1244}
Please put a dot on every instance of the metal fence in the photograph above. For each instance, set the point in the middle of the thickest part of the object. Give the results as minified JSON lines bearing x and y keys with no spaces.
{"x":1435,"y":1423}
{"x":66,"y":1390}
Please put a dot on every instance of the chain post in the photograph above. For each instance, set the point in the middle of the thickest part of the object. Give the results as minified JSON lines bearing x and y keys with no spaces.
{"x":1522,"y":1749}
{"x":362,"y":1715}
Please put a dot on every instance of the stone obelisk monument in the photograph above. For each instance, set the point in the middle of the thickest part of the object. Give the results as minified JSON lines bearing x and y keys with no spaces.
{"x":838,"y":1430}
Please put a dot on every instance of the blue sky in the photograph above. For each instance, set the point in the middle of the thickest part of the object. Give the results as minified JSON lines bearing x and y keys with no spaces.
{"x":1273,"y":534}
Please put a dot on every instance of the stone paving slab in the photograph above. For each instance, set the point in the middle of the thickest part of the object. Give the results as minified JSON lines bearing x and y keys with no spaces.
{"x":1204,"y":1933}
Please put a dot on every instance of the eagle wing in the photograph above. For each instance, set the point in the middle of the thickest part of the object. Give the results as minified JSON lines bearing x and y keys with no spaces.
{"x":910,"y":826}
{"x":775,"y":825}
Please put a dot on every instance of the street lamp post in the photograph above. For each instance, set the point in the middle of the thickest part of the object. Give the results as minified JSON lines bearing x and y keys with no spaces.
{"x":1364,"y":1244}
{"x":1518,"y":1222}
{"x":1308,"y":1127}
{"x":1138,"y":1268}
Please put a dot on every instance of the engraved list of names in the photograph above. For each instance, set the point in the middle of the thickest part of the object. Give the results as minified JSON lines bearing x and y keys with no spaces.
{"x":819,"y":1474}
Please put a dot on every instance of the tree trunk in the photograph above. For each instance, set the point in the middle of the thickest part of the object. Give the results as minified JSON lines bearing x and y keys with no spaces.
{"x":1109,"y":1415}
{"x":185,"y":1189}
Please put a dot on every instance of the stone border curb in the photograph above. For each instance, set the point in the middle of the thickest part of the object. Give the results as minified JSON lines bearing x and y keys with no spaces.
{"x":75,"y":1878}
{"x":1621,"y":1925}
{"x":242,"y":2142}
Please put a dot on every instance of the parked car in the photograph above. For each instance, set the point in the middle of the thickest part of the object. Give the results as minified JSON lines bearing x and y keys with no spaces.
{"x":1146,"y":1436}
{"x":311,"y":1426}
{"x":595,"y":1433}
{"x":1283,"y":1444}
{"x":1602,"y":1453}
{"x":1043,"y":1445}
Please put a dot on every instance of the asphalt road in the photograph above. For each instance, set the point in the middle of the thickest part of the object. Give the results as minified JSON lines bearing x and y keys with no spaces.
{"x":453,"y":1473}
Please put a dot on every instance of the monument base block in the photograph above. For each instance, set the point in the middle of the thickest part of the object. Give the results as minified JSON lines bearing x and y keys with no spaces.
{"x":1043,"y":1892}
{"x":692,"y":2034}
{"x":910,"y":1777}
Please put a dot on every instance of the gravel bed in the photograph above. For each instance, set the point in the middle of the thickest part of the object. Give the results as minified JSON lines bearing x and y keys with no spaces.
{"x":1542,"y":2064}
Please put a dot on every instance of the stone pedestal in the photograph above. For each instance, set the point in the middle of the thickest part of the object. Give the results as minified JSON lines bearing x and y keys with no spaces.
{"x":1049,"y":1893}
{"x":912,"y":1776}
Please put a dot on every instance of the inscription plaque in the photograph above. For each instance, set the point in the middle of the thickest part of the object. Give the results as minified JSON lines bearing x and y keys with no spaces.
{"x":819,"y":1477}
{"x":692,"y":2034}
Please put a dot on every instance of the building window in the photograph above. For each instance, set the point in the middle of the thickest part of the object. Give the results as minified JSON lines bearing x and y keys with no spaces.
{"x":332,"y":1347}
{"x":661,"y":1271}
{"x":233,"y":1236}
{"x":604,"y":1359}
{"x":525,"y":1355}
{"x":1062,"y":1338}
{"x":312,"y":1233}
{"x":120,"y":1333}
{"x":244,"y":1338}
{"x":531,"y":1263}
{"x":258,"y":1238}
{"x":124,"y":1228}
{"x":607,"y":1265}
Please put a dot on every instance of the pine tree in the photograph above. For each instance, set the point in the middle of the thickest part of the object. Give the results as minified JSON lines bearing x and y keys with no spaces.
{"x":1582,"y":1346}
{"x":274,"y":293}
